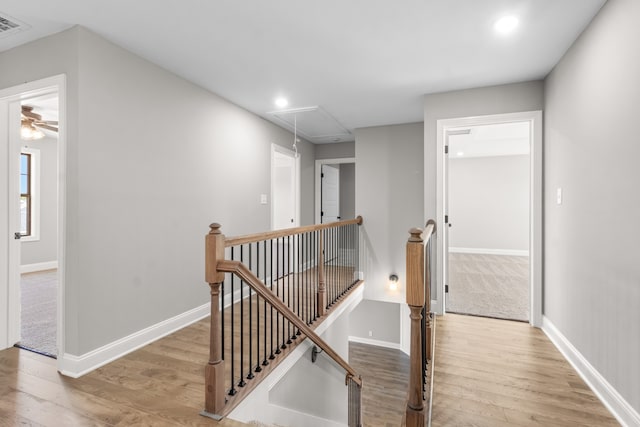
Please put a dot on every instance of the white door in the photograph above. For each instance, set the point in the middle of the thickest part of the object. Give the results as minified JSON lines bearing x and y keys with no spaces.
{"x":10,"y":192}
{"x":285,"y":207}
{"x":330,"y":189}
{"x":284,"y":190}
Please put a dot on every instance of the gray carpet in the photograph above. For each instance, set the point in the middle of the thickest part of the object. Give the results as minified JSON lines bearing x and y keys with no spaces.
{"x":489,"y":285}
{"x":38,"y":315}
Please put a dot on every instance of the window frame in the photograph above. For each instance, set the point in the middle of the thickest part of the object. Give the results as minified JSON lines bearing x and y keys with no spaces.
{"x":33,"y":181}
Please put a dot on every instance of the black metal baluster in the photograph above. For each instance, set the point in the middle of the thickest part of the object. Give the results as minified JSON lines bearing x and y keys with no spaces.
{"x":284,"y":320}
{"x":289,"y":302}
{"x":250,"y":375}
{"x":278,"y":295}
{"x":264,"y":280}
{"x":232,"y":391}
{"x":265,"y":362}
{"x":222,"y":318}
{"x":241,"y":383}
{"x":299,"y":277}
{"x":271,"y":356}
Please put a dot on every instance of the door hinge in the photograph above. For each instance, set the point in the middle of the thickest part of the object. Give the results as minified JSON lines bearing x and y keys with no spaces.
{"x":322,"y":175}
{"x":321,"y":213}
{"x":446,"y":289}
{"x":446,"y":219}
{"x":446,"y":149}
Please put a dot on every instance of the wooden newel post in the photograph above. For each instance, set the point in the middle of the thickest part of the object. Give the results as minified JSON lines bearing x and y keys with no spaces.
{"x":214,"y":371}
{"x":415,"y":413}
{"x":322,"y":285}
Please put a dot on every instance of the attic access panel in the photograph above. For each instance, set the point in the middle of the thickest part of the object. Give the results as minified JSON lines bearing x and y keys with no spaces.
{"x":313,"y":124}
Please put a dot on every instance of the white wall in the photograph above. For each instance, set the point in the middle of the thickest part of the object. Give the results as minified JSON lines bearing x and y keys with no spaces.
{"x":489,"y":203}
{"x":389,"y":196}
{"x":151,"y":161}
{"x":45,"y":249}
{"x":592,"y":268}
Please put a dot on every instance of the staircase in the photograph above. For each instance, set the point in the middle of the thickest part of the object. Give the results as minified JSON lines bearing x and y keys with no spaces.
{"x":270,"y":291}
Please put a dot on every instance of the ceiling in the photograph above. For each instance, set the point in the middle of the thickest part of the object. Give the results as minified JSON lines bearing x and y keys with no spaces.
{"x":363,"y":62}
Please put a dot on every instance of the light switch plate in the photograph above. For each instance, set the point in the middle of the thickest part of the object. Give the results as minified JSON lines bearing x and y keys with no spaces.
{"x":559,"y":196}
{"x":263,"y":199}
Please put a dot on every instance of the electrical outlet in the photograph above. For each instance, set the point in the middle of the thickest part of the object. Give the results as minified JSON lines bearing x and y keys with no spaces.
{"x":263,"y":199}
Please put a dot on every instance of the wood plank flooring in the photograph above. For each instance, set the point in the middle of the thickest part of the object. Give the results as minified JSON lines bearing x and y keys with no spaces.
{"x":488,"y":372}
{"x":491,"y":372}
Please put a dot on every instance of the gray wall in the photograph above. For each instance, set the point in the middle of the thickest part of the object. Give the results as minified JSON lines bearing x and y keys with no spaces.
{"x":46,"y":248}
{"x":382,"y":319}
{"x":335,"y":151}
{"x":347,"y":190}
{"x":592,"y":268}
{"x":489,"y":202}
{"x":153,"y":160}
{"x":389,"y":189}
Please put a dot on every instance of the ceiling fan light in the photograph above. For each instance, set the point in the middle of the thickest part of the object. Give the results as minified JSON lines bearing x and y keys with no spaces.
{"x":29,"y":133}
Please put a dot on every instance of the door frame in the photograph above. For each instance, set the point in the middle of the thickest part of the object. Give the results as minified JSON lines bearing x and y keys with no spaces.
{"x":275,"y":148}
{"x":11,"y":323}
{"x":318,"y":182}
{"x":535,"y":202}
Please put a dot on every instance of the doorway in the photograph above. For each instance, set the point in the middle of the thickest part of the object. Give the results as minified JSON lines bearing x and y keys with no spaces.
{"x":33,"y":225}
{"x":447,"y":130}
{"x":335,"y":182}
{"x":488,"y":212}
{"x":285,"y":188}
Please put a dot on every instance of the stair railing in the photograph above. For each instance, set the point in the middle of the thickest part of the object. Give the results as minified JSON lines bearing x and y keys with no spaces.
{"x":418,"y":296}
{"x":267,"y":291}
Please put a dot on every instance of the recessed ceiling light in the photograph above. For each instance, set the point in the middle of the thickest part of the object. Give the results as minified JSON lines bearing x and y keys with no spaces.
{"x":460,"y":153}
{"x":281,"y":102}
{"x":506,"y":24}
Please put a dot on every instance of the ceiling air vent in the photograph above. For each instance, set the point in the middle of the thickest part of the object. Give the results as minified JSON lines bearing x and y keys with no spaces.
{"x":313,"y":123}
{"x":9,"y":25}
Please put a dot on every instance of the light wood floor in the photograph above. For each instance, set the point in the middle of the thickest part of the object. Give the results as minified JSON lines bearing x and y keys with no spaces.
{"x":497,"y":373}
{"x":488,"y":373}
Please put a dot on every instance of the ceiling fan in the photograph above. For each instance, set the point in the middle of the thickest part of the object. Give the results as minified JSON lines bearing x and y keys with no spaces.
{"x":31,"y":124}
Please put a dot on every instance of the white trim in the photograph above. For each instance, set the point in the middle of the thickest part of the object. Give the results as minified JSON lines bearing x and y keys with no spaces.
{"x":77,"y":366}
{"x":487,"y":251}
{"x":535,"y":203}
{"x":317,"y":181}
{"x":57,"y":83}
{"x":377,"y":343}
{"x":619,"y":407}
{"x":39,"y":266}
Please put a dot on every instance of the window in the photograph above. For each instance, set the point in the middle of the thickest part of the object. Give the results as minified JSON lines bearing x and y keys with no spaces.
{"x":25,"y":194}
{"x":29,"y":194}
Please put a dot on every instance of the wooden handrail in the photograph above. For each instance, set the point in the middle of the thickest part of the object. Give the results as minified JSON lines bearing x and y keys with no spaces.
{"x":256,"y":284}
{"x":267,"y":235}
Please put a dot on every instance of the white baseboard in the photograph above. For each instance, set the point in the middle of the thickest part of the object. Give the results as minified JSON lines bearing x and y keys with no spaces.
{"x":40,"y":266}
{"x":619,"y":407}
{"x":77,"y":366}
{"x":487,"y":251}
{"x":377,"y":343}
